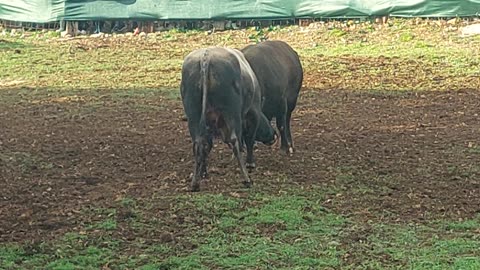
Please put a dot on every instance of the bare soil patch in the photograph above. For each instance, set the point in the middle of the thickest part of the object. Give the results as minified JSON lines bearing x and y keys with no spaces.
{"x":385,"y":156}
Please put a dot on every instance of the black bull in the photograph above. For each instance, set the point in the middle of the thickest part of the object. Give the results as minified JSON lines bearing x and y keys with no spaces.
{"x":280,"y":75}
{"x":221,"y":98}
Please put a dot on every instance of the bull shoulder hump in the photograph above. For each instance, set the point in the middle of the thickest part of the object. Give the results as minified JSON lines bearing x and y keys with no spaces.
{"x":244,"y":65}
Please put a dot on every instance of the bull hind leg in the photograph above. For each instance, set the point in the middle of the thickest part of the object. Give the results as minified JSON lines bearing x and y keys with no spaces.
{"x":200,"y":152}
{"x":291,"y":149}
{"x":235,"y":142}
{"x":281,"y":119}
{"x":251,"y":125}
{"x":204,"y":168}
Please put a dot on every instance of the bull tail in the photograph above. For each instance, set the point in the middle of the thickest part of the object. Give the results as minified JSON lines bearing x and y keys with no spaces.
{"x":204,"y":85}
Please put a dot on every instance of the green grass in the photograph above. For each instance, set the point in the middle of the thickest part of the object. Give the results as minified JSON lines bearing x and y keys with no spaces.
{"x":26,"y":162}
{"x":279,"y":232}
{"x":288,"y":231}
{"x":368,"y":57}
{"x":422,"y":247}
{"x":474,"y":149}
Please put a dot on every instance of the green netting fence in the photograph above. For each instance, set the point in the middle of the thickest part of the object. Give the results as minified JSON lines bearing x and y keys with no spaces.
{"x":43,"y":11}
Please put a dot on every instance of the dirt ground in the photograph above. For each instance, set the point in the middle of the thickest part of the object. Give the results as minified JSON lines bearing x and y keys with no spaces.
{"x":398,"y":157}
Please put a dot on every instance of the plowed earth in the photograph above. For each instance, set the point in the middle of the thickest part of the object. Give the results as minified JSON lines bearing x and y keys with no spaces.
{"x":390,"y":156}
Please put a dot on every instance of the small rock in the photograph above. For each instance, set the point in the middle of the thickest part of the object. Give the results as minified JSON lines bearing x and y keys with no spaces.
{"x":143,"y":34}
{"x":129,"y":34}
{"x":99,"y":35}
{"x":452,"y":21}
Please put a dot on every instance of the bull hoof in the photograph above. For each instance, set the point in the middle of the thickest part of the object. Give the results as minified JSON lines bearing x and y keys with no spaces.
{"x":287,"y":150}
{"x":250,"y":167}
{"x":248,"y":184}
{"x":195,"y":187}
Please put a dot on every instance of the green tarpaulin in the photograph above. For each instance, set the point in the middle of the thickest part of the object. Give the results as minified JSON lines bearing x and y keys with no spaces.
{"x":41,"y":11}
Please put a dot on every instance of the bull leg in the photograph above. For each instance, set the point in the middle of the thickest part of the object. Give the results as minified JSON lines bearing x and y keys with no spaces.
{"x":236,"y":151}
{"x":282,"y":126}
{"x":200,"y":151}
{"x":291,"y":149}
{"x":250,"y":128}
{"x":204,"y":169}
